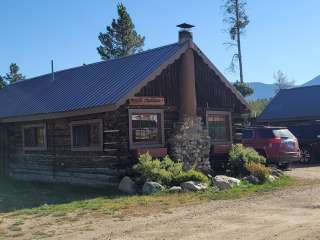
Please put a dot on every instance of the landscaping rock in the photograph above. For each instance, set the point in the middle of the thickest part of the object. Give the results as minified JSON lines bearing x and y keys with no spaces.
{"x":151,"y":187}
{"x":271,"y":178}
{"x":224,"y":182}
{"x":175,"y":189}
{"x":252,"y":179}
{"x":277,"y":172}
{"x":127,"y":185}
{"x":192,"y":186}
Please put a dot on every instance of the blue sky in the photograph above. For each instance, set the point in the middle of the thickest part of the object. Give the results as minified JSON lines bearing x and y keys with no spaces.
{"x":281,"y":35}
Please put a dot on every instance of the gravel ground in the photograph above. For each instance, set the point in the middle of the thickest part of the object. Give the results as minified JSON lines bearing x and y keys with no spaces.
{"x":292,"y":213}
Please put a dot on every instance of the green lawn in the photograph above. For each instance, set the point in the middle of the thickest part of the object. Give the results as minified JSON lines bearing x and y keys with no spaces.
{"x":17,"y":198}
{"x":17,"y":195}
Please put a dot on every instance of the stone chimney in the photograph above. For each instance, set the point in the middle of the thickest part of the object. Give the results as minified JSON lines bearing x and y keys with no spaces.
{"x":190,"y":142}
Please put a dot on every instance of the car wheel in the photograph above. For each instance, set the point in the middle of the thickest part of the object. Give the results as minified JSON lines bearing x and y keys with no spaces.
{"x":306,"y":155}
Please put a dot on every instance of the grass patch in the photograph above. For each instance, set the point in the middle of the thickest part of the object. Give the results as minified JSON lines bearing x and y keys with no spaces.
{"x":16,"y":195}
{"x":110,"y":204}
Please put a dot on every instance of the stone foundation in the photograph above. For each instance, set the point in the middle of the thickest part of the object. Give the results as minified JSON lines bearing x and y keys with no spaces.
{"x":190,"y":144}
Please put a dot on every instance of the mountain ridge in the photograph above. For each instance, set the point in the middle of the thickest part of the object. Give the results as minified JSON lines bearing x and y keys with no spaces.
{"x":314,"y":81}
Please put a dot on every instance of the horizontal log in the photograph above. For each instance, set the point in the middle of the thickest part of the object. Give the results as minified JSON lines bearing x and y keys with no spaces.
{"x":111,"y":131}
{"x":69,"y":180}
{"x":36,"y":168}
{"x":110,"y":143}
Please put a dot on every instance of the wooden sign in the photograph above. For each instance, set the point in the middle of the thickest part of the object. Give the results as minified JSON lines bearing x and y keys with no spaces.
{"x":147,"y":101}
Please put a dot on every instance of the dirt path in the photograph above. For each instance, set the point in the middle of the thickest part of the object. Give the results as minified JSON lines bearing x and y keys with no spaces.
{"x":293,"y":213}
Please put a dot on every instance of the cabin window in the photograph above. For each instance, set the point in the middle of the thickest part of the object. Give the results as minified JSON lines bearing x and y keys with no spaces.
{"x":34,"y":137}
{"x":146,"y":128}
{"x":219,"y":126}
{"x":87,"y":135}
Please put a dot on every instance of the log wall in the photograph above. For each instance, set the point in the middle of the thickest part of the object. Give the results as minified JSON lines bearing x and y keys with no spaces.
{"x":59,"y":164}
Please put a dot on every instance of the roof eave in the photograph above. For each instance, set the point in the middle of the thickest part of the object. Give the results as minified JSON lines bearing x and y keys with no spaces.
{"x":302,"y":118}
{"x":57,"y":115}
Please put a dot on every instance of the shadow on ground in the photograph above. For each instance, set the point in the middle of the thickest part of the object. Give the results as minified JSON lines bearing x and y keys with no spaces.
{"x":16,"y":195}
{"x":309,"y":165}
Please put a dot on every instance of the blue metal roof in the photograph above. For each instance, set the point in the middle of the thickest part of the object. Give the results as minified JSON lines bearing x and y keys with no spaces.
{"x":82,"y":87}
{"x":293,"y":104}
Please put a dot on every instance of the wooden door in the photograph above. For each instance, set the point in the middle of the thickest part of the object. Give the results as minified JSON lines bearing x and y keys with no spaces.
{"x":3,"y":151}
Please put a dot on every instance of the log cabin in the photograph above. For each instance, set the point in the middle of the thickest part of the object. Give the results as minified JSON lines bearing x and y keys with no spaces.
{"x":86,"y":125}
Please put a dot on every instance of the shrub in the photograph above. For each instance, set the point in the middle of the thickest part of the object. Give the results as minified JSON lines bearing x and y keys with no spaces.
{"x":165,"y":171}
{"x":239,"y":156}
{"x":258,"y":170}
{"x":191,"y":175}
{"x":149,"y":169}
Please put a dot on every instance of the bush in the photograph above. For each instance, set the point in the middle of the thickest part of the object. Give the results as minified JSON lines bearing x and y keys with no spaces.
{"x":165,"y":171}
{"x":258,"y":170}
{"x":191,"y":175}
{"x":239,"y":156}
{"x":149,"y":169}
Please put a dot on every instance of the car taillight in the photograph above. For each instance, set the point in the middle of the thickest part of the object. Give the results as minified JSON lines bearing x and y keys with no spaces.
{"x":274,"y":141}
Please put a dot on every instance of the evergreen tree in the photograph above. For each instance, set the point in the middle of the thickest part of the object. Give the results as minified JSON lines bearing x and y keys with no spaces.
{"x":243,"y":88}
{"x":120,"y":39}
{"x":13,"y":75}
{"x":2,"y":82}
{"x":237,"y":19}
{"x":257,"y":106}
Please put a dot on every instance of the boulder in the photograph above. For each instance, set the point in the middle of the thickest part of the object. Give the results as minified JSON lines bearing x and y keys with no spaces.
{"x":151,"y":187}
{"x":271,"y":178}
{"x":127,"y":185}
{"x":225,"y":182}
{"x":175,"y":189}
{"x":252,"y":179}
{"x":192,"y":186}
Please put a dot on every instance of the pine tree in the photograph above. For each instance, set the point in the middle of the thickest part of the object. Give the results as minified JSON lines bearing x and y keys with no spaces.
{"x":2,"y":82}
{"x":120,"y":39}
{"x":13,"y":75}
{"x":237,"y":19}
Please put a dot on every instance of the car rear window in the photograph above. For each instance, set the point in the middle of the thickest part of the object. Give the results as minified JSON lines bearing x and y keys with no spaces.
{"x":283,"y":133}
{"x":247,"y":134}
{"x":266,"y":133}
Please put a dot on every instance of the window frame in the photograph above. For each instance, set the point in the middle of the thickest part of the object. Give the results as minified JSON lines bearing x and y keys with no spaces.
{"x":38,"y":148}
{"x":134,"y":145}
{"x":220,"y":113}
{"x":86,"y":122}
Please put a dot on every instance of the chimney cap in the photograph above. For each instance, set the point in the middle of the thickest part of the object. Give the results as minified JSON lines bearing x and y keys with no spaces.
{"x":185,"y":26}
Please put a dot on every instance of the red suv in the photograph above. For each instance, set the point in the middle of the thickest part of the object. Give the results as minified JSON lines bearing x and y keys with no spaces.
{"x":277,"y":144}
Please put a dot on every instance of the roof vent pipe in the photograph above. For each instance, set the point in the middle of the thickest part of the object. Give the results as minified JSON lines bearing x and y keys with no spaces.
{"x":52,"y":70}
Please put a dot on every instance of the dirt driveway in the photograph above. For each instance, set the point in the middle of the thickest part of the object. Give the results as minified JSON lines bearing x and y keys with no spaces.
{"x":293,"y":213}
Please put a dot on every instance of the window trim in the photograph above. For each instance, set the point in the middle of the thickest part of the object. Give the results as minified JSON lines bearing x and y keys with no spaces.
{"x":37,"y":125}
{"x":221,"y":113}
{"x":90,"y":148}
{"x":134,"y":145}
